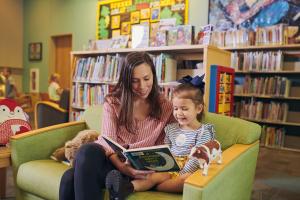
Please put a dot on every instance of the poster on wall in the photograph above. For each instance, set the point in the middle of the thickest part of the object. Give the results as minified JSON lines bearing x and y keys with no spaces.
{"x":116,"y":17}
{"x":34,"y":80}
{"x":250,"y":14}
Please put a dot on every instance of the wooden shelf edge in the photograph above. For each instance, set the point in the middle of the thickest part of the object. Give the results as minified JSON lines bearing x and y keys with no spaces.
{"x":281,"y":148}
{"x":271,"y":122}
{"x":266,"y":96}
{"x":267,"y":72}
{"x":185,"y":48}
{"x":258,"y":47}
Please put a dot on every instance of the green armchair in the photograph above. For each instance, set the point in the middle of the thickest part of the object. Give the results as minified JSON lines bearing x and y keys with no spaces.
{"x":38,"y":177}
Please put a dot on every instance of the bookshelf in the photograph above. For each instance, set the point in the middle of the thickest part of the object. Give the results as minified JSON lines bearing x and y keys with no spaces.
{"x":268,"y":91}
{"x":205,"y":55}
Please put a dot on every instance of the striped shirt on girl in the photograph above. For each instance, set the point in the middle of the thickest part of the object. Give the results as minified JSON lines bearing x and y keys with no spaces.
{"x":182,"y":141}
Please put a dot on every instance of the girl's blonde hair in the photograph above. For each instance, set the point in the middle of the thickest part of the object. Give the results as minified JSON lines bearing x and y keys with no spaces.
{"x":54,"y":77}
{"x":189,"y":91}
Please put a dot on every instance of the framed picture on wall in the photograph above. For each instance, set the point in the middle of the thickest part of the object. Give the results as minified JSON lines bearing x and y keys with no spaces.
{"x":34,"y":80}
{"x":35,"y":51}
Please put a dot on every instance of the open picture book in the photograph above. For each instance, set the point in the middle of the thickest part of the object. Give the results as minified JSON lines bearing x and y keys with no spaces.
{"x":157,"y":158}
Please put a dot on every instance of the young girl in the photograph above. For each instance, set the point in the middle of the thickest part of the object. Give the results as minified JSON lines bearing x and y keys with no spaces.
{"x":54,"y":90}
{"x":186,"y":133}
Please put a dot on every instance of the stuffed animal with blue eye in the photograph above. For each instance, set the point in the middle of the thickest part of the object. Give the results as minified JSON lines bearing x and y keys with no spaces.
{"x":13,"y":120}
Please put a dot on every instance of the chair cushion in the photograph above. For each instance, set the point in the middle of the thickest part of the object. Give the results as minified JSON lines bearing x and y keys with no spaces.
{"x":153,"y":195}
{"x":41,"y":177}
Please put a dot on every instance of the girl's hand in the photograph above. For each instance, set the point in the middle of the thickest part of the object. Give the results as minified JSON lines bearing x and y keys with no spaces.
{"x":136,"y":174}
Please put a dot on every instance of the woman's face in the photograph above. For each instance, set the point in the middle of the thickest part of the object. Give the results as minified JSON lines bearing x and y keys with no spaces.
{"x":142,"y":80}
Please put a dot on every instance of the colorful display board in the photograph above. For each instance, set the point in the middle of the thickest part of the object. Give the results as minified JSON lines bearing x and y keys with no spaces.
{"x":115,"y":17}
{"x":221,"y":90}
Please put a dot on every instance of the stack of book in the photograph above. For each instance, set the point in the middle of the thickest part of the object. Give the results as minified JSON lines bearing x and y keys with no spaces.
{"x":85,"y":95}
{"x":166,"y":67}
{"x":257,"y":61}
{"x":258,"y":110}
{"x":272,"y":136}
{"x":98,"y":69}
{"x":272,"y":35}
{"x":276,"y":86}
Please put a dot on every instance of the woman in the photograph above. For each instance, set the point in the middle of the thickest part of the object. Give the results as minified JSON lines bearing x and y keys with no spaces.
{"x":134,"y":115}
{"x":54,"y":90}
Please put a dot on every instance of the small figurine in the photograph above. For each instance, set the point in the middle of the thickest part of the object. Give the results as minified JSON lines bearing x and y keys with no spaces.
{"x":207,"y":153}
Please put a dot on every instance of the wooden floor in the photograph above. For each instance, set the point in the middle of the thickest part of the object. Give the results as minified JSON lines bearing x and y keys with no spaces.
{"x":277,"y":176}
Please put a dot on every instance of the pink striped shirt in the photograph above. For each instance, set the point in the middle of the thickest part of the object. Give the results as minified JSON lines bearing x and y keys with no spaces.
{"x":149,"y":132}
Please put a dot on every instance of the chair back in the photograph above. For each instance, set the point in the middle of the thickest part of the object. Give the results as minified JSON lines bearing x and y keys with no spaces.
{"x":93,"y":117}
{"x":64,"y":99}
{"x":230,"y":130}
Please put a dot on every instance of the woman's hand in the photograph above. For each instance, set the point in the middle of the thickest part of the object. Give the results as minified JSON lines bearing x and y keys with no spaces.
{"x":128,"y":170}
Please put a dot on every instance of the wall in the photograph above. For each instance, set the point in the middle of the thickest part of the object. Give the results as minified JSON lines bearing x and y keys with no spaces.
{"x":46,"y":18}
{"x":11,"y":37}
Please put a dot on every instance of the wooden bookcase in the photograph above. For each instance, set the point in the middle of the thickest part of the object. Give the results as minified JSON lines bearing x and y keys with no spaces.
{"x":208,"y":55}
{"x":291,"y":120}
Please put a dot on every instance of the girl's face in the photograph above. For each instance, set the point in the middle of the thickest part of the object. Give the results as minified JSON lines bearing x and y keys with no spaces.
{"x":142,"y":80}
{"x":185,"y":112}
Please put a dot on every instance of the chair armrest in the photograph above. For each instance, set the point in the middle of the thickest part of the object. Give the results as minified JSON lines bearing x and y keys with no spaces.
{"x":40,"y":143}
{"x":231,"y":180}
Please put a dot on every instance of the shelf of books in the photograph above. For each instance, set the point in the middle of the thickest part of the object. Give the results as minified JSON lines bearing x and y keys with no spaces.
{"x":96,"y":72}
{"x":267,"y":91}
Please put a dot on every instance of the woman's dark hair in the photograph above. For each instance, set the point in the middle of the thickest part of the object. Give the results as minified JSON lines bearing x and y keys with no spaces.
{"x":189,"y":91}
{"x":123,"y":90}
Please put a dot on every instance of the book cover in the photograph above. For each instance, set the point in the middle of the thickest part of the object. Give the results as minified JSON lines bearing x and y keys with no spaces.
{"x":161,"y":38}
{"x":140,"y":36}
{"x":170,"y":69}
{"x":157,"y":158}
{"x":172,"y":36}
{"x":185,"y":35}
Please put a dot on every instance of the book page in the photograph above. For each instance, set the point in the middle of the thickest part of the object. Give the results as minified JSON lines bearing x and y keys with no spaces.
{"x":156,"y":158}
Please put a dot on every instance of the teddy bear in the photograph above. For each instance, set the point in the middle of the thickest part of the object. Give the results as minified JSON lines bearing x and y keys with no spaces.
{"x":69,"y":150}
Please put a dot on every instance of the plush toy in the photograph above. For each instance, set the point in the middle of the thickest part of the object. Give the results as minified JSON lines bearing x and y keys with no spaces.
{"x":13,"y":120}
{"x":206,"y":153}
{"x":68,"y":152}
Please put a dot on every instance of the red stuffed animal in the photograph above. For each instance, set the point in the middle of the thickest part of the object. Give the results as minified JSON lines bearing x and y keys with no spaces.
{"x":13,"y":120}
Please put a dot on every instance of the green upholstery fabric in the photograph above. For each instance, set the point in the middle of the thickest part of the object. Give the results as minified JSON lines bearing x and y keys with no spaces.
{"x":93,"y":117}
{"x":150,"y":195}
{"x":232,"y":130}
{"x":38,"y":176}
{"x":234,"y":183}
{"x":41,"y":146}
